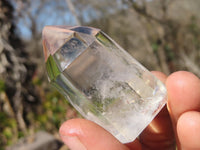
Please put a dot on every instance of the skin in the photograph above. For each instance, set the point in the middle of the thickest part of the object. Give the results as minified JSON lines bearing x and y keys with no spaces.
{"x":178,"y":124}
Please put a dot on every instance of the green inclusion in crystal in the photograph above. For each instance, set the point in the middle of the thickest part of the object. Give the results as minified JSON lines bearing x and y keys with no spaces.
{"x":52,"y":69}
{"x":104,"y":40}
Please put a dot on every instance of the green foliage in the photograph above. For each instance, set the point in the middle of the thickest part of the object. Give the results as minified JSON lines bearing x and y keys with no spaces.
{"x":20,"y":134}
{"x":2,"y":85}
{"x":7,"y":132}
{"x":169,"y":53}
{"x":6,"y":121}
{"x":53,"y":113}
{"x":193,"y":26}
{"x":8,"y":125}
{"x":37,"y":81}
{"x":48,"y":116}
{"x":194,"y":29}
{"x":155,"y":47}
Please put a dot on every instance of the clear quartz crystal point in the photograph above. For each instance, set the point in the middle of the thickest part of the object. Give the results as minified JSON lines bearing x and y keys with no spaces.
{"x":101,"y":80}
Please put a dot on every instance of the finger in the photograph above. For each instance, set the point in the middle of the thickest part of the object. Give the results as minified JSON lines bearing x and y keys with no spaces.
{"x":183,"y":95}
{"x":159,"y":134}
{"x":80,"y":134}
{"x":188,"y":130}
{"x":135,"y":145}
{"x":161,"y":76}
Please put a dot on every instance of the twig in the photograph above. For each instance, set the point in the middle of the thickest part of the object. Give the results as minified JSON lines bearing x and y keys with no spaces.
{"x":73,"y":11}
{"x":191,"y":66}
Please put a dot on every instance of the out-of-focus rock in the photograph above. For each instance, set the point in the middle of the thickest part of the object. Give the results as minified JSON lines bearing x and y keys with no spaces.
{"x":39,"y":141}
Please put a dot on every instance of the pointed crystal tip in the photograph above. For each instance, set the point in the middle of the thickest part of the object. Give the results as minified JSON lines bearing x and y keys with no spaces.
{"x":55,"y":36}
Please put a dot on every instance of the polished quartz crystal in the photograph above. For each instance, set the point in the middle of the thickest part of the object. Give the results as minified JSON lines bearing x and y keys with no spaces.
{"x":101,"y":80}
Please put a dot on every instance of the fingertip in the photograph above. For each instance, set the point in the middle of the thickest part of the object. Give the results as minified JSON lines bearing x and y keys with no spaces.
{"x":89,"y":135}
{"x":69,"y":132}
{"x":181,"y":80}
{"x":183,"y":92}
{"x":180,"y":76}
{"x":188,"y":130}
{"x":70,"y":127}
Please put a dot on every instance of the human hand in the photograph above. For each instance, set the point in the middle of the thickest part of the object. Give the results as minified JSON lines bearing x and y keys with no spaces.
{"x":177,"y":124}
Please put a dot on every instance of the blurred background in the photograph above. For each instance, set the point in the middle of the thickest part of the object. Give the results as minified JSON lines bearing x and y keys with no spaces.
{"x":163,"y":35}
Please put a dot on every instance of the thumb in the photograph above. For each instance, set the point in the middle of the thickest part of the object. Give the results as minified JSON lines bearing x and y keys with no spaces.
{"x":81,"y":134}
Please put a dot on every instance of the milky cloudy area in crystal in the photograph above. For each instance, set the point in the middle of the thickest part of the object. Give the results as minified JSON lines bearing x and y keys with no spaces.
{"x":101,"y":80}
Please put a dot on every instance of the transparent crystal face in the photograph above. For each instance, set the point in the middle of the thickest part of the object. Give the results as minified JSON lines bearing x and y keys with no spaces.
{"x":102,"y":81}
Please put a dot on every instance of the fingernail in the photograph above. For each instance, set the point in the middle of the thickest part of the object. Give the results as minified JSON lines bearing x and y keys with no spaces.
{"x":73,"y":142}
